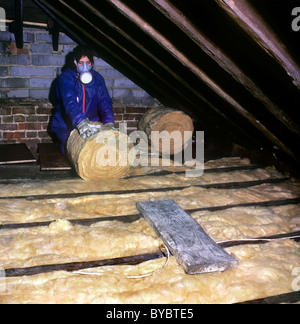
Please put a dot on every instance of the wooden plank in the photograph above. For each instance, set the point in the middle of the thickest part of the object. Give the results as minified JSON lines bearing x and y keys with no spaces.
{"x":15,"y":154}
{"x":51,"y":159}
{"x":188,"y":242}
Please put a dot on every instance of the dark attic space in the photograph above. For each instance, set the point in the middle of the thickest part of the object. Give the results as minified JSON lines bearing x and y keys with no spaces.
{"x":149,"y":152}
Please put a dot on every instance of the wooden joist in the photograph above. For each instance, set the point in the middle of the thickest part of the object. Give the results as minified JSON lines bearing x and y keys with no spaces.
{"x":288,"y":298}
{"x":261,"y":240}
{"x":227,"y":185}
{"x":75,"y":266}
{"x":135,"y":217}
{"x":212,"y":170}
{"x":11,"y":173}
{"x":82,"y":222}
{"x":129,"y":260}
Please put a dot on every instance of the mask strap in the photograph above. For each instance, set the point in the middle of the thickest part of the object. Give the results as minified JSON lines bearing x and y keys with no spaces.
{"x":76,"y":64}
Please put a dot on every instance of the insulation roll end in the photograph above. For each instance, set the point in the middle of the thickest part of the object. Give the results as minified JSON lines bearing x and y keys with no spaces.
{"x":106,"y":155}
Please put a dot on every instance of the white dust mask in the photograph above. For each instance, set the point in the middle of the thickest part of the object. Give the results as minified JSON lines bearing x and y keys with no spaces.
{"x":84,"y":72}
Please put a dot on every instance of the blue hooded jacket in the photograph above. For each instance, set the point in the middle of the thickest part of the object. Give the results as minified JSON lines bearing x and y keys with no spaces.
{"x":76,"y":102}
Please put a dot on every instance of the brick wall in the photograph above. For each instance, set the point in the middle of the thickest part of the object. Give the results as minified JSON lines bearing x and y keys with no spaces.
{"x":27,"y":120}
{"x":26,"y":77}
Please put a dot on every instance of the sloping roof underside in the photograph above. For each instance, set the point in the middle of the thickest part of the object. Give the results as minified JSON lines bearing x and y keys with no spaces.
{"x":232,"y":64}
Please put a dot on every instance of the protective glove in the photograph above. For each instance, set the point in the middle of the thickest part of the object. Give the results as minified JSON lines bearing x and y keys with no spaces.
{"x":86,"y":130}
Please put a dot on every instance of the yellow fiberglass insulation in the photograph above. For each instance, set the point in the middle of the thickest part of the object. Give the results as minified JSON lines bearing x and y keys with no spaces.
{"x":264,"y":269}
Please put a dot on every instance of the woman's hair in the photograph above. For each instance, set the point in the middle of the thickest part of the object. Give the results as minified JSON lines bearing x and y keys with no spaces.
{"x":81,"y":51}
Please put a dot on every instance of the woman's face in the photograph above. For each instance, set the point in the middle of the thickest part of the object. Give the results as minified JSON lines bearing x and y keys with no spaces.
{"x":83,"y":60}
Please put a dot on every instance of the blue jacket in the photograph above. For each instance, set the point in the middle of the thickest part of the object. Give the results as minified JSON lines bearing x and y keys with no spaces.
{"x":76,"y":102}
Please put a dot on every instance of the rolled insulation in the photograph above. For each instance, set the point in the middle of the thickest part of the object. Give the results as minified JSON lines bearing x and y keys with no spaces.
{"x":105,"y":155}
{"x":168,"y":129}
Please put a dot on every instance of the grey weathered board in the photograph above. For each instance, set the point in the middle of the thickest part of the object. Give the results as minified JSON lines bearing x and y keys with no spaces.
{"x":193,"y":248}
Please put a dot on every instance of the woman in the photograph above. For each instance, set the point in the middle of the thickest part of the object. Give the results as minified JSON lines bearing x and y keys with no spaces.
{"x":81,"y":97}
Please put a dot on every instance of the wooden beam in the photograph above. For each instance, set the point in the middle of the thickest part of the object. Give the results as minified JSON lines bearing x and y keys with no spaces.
{"x":132,"y":218}
{"x":249,"y":19}
{"x":226,"y":185}
{"x":129,"y":260}
{"x":75,"y":266}
{"x":261,"y":240}
{"x":288,"y":298}
{"x":185,"y":238}
{"x":27,"y":23}
{"x":18,"y":24}
{"x":55,"y":36}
